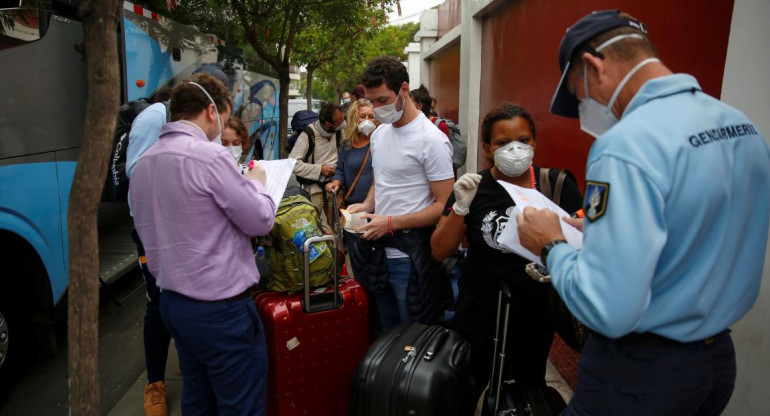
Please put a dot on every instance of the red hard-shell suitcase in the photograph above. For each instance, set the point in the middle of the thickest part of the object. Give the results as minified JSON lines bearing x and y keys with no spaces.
{"x":313,"y":350}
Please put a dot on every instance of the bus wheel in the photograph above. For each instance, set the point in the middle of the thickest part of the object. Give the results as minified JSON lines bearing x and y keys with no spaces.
{"x":10,"y":346}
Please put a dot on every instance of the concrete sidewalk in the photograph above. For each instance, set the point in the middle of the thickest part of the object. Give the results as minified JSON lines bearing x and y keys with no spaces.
{"x":132,"y":404}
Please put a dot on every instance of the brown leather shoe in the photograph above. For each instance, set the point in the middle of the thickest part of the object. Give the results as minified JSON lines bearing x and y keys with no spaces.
{"x":155,"y":399}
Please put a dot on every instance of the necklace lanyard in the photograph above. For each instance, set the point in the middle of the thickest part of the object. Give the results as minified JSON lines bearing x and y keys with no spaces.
{"x":532,"y":175}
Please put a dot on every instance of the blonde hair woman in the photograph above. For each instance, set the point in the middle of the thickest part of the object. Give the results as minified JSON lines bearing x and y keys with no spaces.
{"x":353,"y":175}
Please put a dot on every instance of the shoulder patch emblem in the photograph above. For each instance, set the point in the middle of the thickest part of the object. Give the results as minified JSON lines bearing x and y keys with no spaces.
{"x":595,"y":203}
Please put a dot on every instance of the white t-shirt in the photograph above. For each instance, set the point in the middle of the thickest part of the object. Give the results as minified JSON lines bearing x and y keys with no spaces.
{"x":405,"y":160}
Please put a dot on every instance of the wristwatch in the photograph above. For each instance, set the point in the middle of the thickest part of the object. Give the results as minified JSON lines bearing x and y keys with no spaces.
{"x":547,"y":249}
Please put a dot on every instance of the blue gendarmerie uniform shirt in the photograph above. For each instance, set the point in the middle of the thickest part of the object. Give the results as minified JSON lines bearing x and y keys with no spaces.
{"x":677,"y":203}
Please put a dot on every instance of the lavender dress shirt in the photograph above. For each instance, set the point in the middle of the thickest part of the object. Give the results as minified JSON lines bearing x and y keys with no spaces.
{"x":195,"y":212}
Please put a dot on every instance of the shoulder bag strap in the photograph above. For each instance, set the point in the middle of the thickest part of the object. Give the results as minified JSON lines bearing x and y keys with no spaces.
{"x":358,"y":175}
{"x":310,"y":145}
{"x":545,"y":183}
{"x":557,"y":190}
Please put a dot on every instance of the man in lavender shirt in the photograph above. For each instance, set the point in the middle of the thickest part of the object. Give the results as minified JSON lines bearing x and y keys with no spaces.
{"x":195,"y":212}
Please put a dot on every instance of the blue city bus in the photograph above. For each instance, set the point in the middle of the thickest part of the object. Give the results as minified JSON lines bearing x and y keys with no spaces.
{"x":42,"y":112}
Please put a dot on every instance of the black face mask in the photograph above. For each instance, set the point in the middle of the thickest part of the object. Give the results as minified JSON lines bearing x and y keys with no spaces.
{"x":329,"y":130}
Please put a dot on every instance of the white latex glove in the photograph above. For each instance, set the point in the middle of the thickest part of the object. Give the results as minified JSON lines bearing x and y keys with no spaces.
{"x":256,"y":173}
{"x":465,"y":189}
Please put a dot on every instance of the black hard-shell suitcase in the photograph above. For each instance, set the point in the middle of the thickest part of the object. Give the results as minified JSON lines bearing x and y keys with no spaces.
{"x":510,"y":398}
{"x":414,"y":369}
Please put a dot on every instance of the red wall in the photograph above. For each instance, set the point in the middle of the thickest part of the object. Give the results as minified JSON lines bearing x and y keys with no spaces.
{"x":520,"y":64}
{"x":448,"y":16}
{"x":445,"y":83}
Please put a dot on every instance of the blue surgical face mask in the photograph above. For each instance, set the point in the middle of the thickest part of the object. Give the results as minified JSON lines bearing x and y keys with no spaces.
{"x":218,"y":138}
{"x":595,"y":118}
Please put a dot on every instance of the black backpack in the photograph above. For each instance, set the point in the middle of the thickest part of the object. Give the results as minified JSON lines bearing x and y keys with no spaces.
{"x":309,"y":155}
{"x":459,"y":146}
{"x":116,"y":188}
{"x":299,"y":121}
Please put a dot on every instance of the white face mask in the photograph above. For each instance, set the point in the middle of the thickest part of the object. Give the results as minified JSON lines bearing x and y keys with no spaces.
{"x":366,"y":127}
{"x":514,"y":158}
{"x":341,"y":126}
{"x":218,"y":138}
{"x":236,"y":151}
{"x":387,"y":114}
{"x":595,"y":118}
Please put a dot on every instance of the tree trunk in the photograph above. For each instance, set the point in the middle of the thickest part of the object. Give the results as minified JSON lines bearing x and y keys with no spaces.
{"x":309,"y":91}
{"x":283,"y":109}
{"x":100,"y":20}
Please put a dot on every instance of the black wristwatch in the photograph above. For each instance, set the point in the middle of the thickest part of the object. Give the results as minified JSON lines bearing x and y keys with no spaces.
{"x":547,"y":249}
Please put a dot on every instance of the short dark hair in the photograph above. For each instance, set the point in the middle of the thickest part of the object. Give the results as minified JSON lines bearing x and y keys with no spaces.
{"x":622,"y":51}
{"x":187,"y":100}
{"x":163,"y":94}
{"x":422,"y":96}
{"x":506,"y":111}
{"x":327,"y":112}
{"x":387,"y":70}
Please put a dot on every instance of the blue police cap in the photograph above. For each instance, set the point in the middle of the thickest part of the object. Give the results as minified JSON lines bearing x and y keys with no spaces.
{"x":596,"y":23}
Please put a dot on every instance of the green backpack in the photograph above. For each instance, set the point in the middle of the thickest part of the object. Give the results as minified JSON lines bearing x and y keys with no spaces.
{"x":296,"y":221}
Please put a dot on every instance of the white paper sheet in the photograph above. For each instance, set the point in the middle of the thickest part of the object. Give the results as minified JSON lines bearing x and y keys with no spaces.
{"x":278,"y":173}
{"x":525,"y":197}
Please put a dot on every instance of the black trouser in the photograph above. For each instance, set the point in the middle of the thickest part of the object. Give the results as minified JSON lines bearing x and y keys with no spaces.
{"x":530,"y":334}
{"x":156,"y":336}
{"x":646,"y":375}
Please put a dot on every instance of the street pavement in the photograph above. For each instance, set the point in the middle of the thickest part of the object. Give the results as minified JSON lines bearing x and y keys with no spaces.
{"x":42,"y":389}
{"x":132,"y":403}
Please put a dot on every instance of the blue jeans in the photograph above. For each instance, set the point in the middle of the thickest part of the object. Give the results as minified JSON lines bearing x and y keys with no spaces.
{"x":222,"y":355}
{"x":392,"y":302}
{"x":688,"y":379}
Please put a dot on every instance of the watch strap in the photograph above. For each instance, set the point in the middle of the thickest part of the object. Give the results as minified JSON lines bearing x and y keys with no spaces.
{"x":547,"y":249}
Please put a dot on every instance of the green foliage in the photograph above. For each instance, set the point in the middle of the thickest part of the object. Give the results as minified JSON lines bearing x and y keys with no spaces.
{"x":277,"y":28}
{"x":336,"y":54}
{"x":344,"y":71}
{"x":392,"y":40}
{"x":254,"y":63}
{"x":208,"y":16}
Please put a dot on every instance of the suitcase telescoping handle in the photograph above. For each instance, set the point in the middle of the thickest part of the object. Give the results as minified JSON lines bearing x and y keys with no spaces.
{"x":496,"y":381}
{"x":306,"y":251}
{"x":336,"y":216}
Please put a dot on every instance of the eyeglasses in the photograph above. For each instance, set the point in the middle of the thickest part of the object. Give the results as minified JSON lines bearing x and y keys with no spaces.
{"x":364,"y":101}
{"x":331,"y":122}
